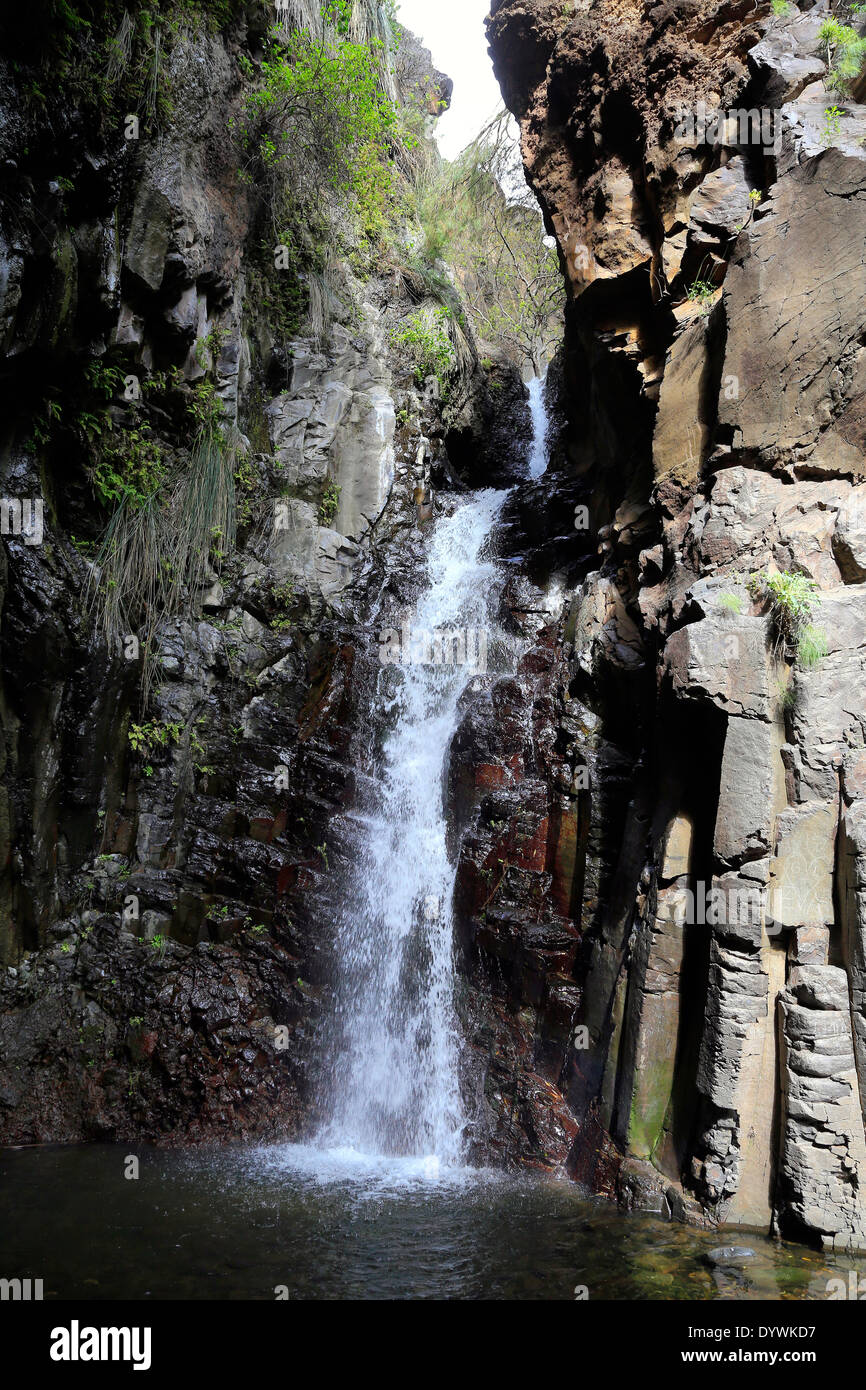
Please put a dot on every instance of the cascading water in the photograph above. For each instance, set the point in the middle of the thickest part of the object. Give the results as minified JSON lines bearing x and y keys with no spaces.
{"x":538,"y":411}
{"x":396,"y":1085}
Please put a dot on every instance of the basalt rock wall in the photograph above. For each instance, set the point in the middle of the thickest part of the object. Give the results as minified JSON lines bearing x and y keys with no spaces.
{"x":673,"y":947}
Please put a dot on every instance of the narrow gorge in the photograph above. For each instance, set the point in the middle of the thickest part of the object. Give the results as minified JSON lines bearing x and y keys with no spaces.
{"x":433,"y":647}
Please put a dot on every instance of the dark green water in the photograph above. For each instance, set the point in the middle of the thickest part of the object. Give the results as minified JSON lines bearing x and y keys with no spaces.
{"x":237,"y":1223}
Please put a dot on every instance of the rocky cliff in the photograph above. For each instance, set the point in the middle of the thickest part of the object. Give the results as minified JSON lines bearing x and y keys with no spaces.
{"x":657,"y":818}
{"x":689,"y":996}
{"x":178,"y":738}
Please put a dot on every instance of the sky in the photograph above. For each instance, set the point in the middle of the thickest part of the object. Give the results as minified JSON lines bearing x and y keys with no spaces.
{"x":453,"y":30}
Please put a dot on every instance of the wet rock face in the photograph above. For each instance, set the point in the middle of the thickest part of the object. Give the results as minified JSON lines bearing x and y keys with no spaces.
{"x":177,"y":1044}
{"x":168,"y":902}
{"x":519,"y":847}
{"x":490,"y":429}
{"x":713,"y":393}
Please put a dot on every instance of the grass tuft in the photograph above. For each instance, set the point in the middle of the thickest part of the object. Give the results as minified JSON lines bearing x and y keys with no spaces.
{"x":154,"y":556}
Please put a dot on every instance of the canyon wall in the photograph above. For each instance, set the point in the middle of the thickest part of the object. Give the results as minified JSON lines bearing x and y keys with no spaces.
{"x":656,"y":820}
{"x":170,"y":864}
{"x":677,"y":939}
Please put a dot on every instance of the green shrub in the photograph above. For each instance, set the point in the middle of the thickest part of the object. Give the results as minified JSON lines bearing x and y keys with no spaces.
{"x":832,"y":126}
{"x":428,"y":346}
{"x":155,"y":551}
{"x":129,"y":466}
{"x":792,"y":598}
{"x":145,"y":738}
{"x":845,"y":52}
{"x":330,"y":503}
{"x":701,"y":291}
{"x":283,"y":596}
{"x":323,"y":117}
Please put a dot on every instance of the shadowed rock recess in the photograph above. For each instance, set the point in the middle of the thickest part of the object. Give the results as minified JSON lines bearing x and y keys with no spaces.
{"x":657,"y":819}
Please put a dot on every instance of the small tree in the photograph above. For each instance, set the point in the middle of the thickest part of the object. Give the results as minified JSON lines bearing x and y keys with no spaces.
{"x":479,"y":214}
{"x":845,"y":52}
{"x":323,"y":118}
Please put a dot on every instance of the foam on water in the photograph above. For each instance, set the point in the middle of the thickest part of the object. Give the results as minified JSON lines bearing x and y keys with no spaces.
{"x":361,"y":1173}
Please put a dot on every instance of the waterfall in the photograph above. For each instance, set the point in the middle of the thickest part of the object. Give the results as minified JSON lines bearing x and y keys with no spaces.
{"x":396,"y":1080}
{"x":538,"y":411}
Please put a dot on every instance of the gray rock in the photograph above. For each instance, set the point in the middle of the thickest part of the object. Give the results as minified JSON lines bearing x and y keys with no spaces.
{"x":823,"y":1165}
{"x":722,"y":659}
{"x":849,"y":537}
{"x":751,"y":790}
{"x":787,"y":59}
{"x":731,"y":1255}
{"x":820,"y":288}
